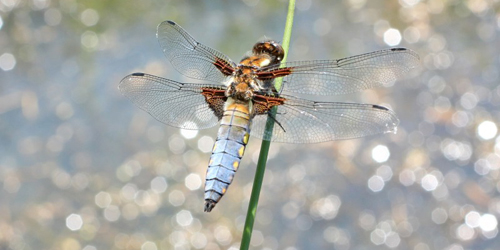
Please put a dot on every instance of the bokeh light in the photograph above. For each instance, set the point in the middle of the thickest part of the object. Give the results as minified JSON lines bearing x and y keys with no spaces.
{"x":89,"y":17}
{"x":159,"y":184}
{"x":112,"y":213}
{"x":176,"y":198}
{"x":205,"y":144}
{"x":465,"y":233}
{"x":380,"y":153}
{"x":189,"y":134}
{"x":392,"y":37}
{"x":7,"y":61}
{"x":439,"y":215}
{"x":429,"y":182}
{"x":488,"y":222}
{"x":74,"y":222}
{"x":487,"y":130}
{"x":193,"y":181}
{"x":376,"y":183}
{"x":103,"y":199}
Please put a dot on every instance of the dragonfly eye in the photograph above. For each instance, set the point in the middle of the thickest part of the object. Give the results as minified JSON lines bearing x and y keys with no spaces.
{"x":271,"y":48}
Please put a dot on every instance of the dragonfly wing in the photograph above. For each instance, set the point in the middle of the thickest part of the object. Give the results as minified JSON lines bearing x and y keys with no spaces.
{"x":343,"y":76}
{"x":304,"y":121}
{"x":176,"y":104}
{"x":190,"y":57}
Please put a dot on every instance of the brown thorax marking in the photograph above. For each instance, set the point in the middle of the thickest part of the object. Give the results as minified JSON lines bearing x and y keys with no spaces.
{"x":243,"y":83}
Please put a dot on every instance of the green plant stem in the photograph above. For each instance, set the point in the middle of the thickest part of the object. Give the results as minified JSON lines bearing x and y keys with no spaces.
{"x":264,"y":148}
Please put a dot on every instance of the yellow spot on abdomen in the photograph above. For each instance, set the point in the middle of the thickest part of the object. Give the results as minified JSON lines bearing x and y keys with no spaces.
{"x":245,"y":139}
{"x":236,"y":164}
{"x":241,"y":151}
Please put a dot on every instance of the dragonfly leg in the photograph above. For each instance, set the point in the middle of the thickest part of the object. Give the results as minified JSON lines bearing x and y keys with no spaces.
{"x":270,"y":114}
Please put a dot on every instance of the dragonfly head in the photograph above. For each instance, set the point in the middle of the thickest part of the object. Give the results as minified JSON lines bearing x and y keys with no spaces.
{"x":271,"y":48}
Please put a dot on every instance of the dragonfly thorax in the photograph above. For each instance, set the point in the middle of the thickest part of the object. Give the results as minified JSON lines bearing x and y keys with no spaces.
{"x":243,"y":83}
{"x":240,"y":90}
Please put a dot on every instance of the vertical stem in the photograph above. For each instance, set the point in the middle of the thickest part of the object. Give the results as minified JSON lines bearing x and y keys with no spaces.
{"x":264,"y":149}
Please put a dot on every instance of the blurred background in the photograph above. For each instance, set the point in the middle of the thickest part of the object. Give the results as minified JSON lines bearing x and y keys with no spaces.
{"x":82,"y":168}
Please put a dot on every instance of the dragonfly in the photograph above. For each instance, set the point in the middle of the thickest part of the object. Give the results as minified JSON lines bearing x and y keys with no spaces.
{"x":240,"y":97}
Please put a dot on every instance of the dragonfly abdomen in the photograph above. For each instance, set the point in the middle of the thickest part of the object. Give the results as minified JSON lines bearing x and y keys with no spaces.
{"x":227,"y":151}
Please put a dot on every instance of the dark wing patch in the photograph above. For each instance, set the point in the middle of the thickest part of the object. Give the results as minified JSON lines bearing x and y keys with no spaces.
{"x":263,"y":103}
{"x":223,"y":66}
{"x":215,"y":99}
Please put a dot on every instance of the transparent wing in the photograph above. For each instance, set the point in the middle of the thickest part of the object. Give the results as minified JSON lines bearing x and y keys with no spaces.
{"x":176,"y":104}
{"x":343,"y":76}
{"x":190,"y":57}
{"x":304,"y":121}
